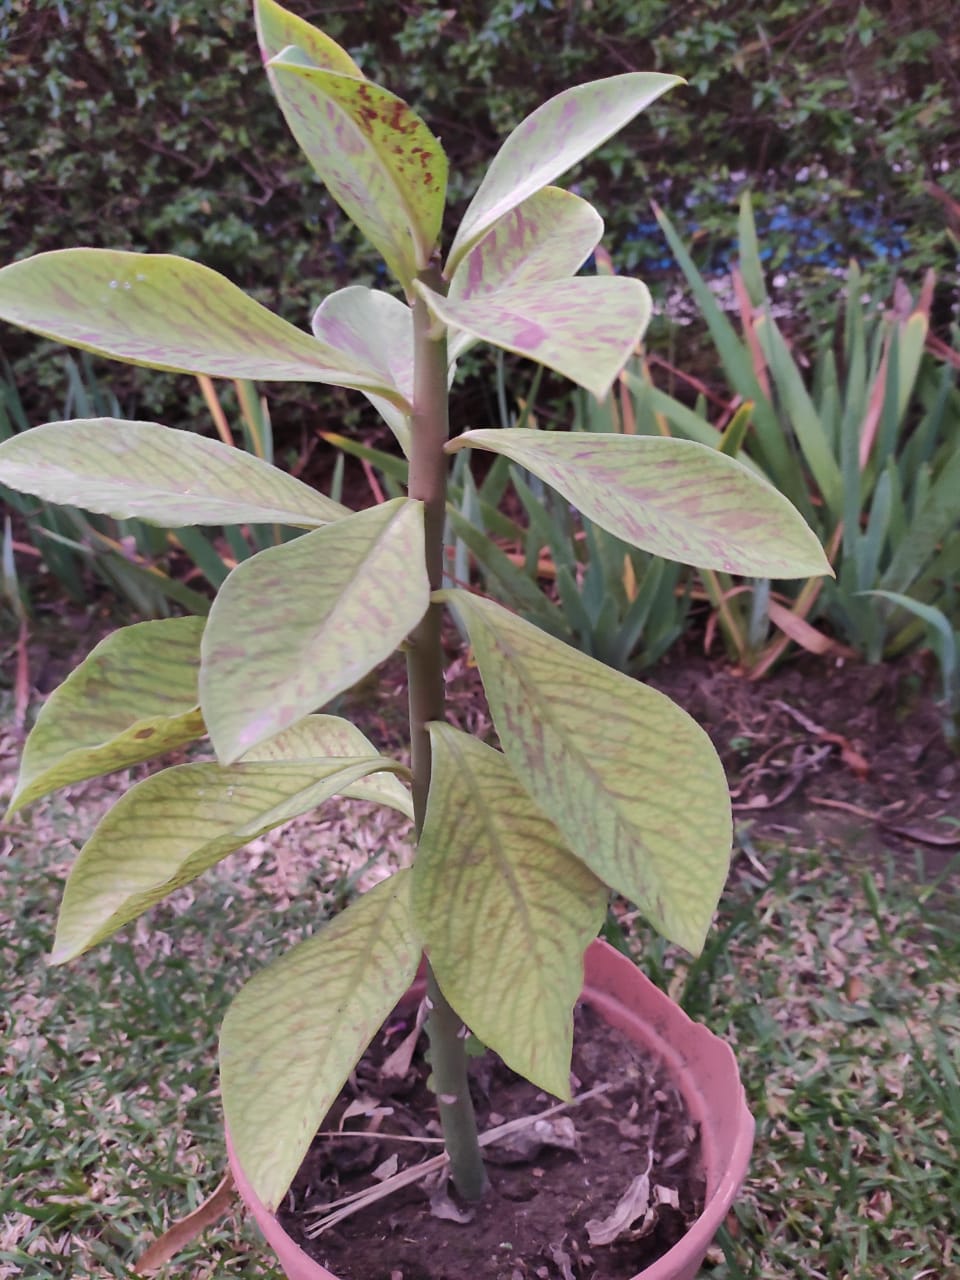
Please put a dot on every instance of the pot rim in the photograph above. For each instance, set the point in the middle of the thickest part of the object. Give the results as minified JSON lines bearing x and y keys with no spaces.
{"x":704,"y":1068}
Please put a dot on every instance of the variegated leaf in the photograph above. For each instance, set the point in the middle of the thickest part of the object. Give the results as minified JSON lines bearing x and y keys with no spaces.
{"x":297,"y":624}
{"x":504,"y":908}
{"x":633,"y":784}
{"x":584,"y":328}
{"x":132,"y":698}
{"x":549,"y":142}
{"x":327,"y":737}
{"x":294,"y":1033}
{"x":167,"y":313}
{"x":158,"y":474}
{"x":175,"y":825}
{"x":378,"y":329}
{"x":674,"y":498}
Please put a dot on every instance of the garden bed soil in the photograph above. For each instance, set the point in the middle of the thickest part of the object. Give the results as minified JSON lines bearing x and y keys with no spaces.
{"x":532,"y":1223}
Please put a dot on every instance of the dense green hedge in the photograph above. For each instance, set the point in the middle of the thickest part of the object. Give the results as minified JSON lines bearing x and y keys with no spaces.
{"x":150,"y":125}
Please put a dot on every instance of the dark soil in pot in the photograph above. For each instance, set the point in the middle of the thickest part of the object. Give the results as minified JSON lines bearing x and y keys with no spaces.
{"x":533,"y":1221}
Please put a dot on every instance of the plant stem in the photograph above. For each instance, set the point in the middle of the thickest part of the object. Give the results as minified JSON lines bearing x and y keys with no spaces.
{"x":428,"y":483}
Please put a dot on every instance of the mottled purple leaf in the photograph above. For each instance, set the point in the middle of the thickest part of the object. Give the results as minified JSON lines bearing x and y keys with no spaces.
{"x":297,"y":624}
{"x":549,"y":142}
{"x":378,"y":329}
{"x":167,"y":313}
{"x":167,"y":477}
{"x":584,"y":328}
{"x":674,"y":498}
{"x":548,"y":237}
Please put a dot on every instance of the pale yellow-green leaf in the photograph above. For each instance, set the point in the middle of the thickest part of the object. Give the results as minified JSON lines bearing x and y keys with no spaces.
{"x":319,"y":737}
{"x":504,"y":909}
{"x":373,"y":153}
{"x":154,"y":473}
{"x":378,"y":328}
{"x":175,"y":825}
{"x":550,"y":141}
{"x":297,"y":624}
{"x":166,"y":312}
{"x":585,"y":328}
{"x":631,"y":781}
{"x":548,"y":237}
{"x":134,"y":697}
{"x":674,"y":498}
{"x":277,"y":28}
{"x":294,"y":1033}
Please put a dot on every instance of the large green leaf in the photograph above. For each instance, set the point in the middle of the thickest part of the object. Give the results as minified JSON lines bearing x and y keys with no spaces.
{"x":167,"y":313}
{"x":584,"y":328}
{"x":378,"y":329}
{"x":375,"y":155}
{"x":294,"y":1033}
{"x":675,"y":498}
{"x":631,"y":781}
{"x":297,"y":624}
{"x":158,"y":474}
{"x":504,"y":909}
{"x":134,"y":697}
{"x":318,"y":737}
{"x":549,"y":142}
{"x":173,"y":826}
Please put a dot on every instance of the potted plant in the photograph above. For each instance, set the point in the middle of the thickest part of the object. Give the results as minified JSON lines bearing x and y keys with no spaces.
{"x":600,"y":783}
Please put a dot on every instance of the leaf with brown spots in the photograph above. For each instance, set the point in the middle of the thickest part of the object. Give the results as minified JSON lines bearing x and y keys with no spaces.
{"x":375,"y":155}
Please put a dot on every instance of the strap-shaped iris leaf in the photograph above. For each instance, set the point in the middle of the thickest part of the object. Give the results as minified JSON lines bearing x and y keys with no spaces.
{"x":297,"y":1029}
{"x":378,"y":328}
{"x":633,"y":784}
{"x":317,"y":737}
{"x":504,"y":908}
{"x":132,"y":698}
{"x":158,"y":474}
{"x":167,"y":313}
{"x":373,"y":152}
{"x":549,"y":142}
{"x":297,"y":624}
{"x":173,"y":826}
{"x":584,"y":328}
{"x":675,"y":498}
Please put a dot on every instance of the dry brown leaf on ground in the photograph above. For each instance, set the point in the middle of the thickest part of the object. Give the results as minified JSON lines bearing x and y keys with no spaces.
{"x":187,"y":1229}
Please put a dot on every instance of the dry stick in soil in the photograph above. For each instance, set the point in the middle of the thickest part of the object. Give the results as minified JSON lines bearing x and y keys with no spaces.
{"x":357,"y":1200}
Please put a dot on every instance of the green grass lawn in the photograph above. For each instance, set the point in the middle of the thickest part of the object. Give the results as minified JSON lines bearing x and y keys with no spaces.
{"x":838,"y":982}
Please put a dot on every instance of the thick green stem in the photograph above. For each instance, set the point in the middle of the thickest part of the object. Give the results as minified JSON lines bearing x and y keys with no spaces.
{"x":428,"y":482}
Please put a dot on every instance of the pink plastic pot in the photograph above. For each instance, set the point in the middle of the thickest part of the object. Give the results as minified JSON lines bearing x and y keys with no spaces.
{"x":705,"y":1071}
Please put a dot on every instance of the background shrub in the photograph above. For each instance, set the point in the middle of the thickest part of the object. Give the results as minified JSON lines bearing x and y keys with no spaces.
{"x":150,"y":125}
